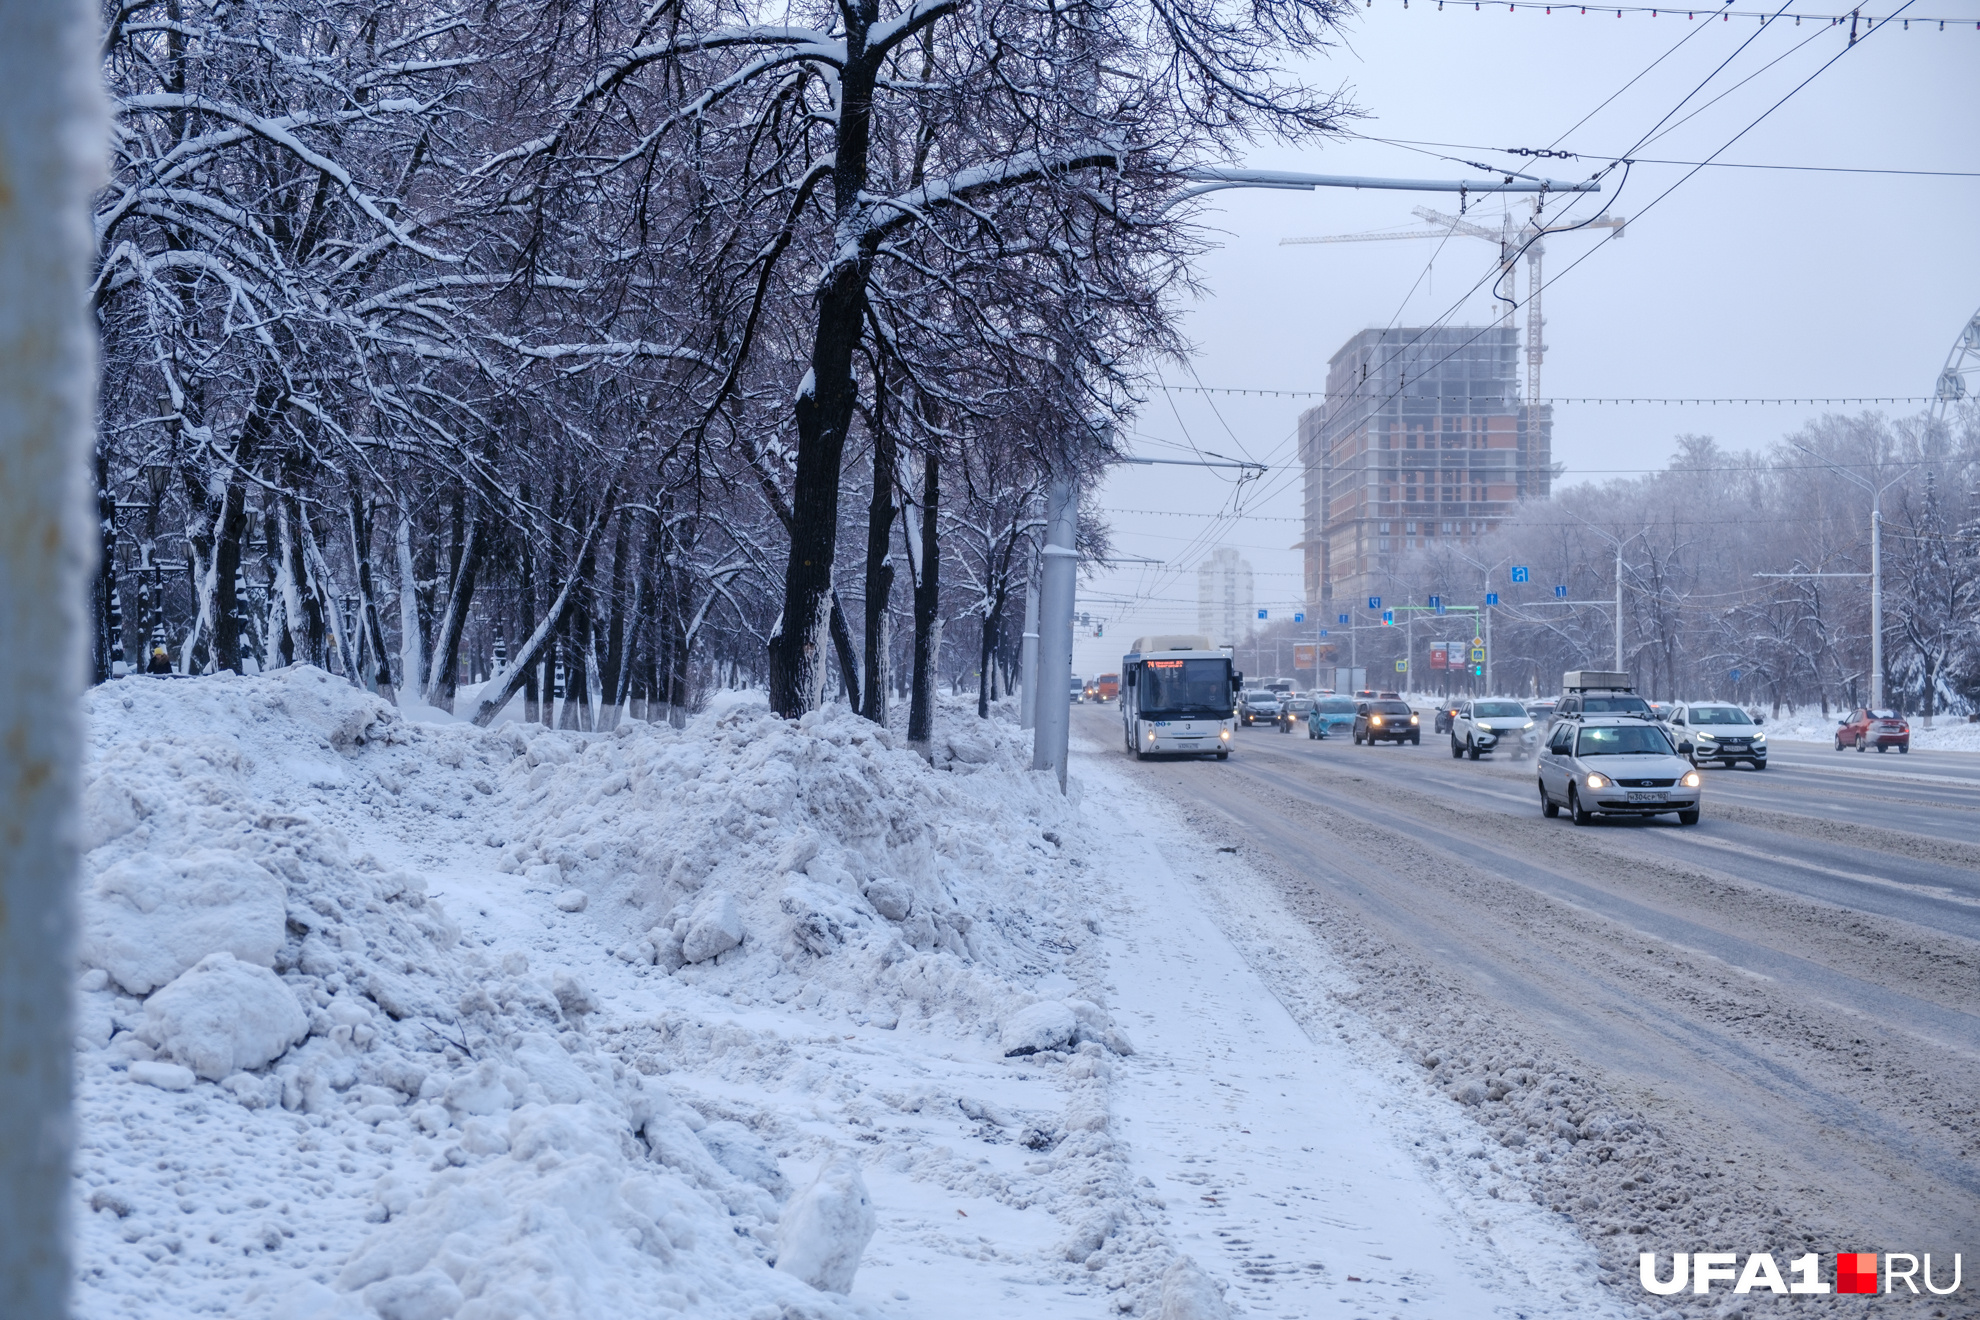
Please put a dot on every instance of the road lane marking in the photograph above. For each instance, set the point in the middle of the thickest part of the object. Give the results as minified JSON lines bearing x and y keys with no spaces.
{"x":1857,"y":877}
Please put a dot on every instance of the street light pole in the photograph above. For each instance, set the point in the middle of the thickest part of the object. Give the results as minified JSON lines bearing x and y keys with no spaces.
{"x":1619,"y":658}
{"x":1876,"y":599}
{"x":1876,"y":564}
{"x":1057,"y":574}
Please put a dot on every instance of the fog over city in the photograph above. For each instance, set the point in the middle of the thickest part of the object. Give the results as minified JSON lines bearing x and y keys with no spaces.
{"x":1738,"y":283}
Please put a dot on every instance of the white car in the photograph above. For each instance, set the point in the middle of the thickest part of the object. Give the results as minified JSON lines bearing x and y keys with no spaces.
{"x":1616,"y":766}
{"x":1719,"y":731}
{"x":1487,"y":725}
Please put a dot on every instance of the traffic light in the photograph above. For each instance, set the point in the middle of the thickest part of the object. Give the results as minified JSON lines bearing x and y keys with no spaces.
{"x":1478,"y":671}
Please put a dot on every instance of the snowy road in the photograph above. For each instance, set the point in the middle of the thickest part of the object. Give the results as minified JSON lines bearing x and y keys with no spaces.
{"x":1807,"y":994}
{"x":1298,"y":1161}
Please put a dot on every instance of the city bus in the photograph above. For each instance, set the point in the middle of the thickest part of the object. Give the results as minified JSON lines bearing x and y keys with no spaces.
{"x":1178,"y":695}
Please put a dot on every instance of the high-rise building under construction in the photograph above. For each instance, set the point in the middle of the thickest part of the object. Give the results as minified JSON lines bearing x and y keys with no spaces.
{"x":1422,"y":439}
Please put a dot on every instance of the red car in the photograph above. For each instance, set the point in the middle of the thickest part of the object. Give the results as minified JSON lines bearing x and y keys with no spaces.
{"x":1881,"y":729}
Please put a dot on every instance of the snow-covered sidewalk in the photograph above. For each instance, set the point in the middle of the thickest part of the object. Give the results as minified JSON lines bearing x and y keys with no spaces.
{"x":384,"y":1019}
{"x":1303,"y":1163}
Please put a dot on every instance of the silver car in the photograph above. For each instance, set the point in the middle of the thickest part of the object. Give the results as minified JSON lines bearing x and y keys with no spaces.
{"x":1486,"y":725}
{"x":1616,"y":766}
{"x":1719,"y":731}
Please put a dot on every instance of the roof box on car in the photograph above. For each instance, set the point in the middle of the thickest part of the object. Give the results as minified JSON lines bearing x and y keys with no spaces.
{"x":1582,"y":680}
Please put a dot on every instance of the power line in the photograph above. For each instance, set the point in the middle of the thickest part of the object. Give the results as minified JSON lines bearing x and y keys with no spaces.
{"x":1832,"y":20}
{"x":1672,"y":400}
{"x":1606,"y":156}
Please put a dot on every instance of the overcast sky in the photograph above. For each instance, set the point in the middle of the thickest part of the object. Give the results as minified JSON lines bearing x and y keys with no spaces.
{"x":1739,"y":282}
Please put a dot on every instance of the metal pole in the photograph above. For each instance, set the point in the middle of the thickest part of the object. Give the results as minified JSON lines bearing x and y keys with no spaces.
{"x":1489,"y":689}
{"x":1055,"y":629}
{"x":1876,"y":601}
{"x":51,"y":159}
{"x":1028,"y":649}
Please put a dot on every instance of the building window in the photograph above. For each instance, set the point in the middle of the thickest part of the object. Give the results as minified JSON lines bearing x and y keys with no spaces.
{"x":1410,"y":528}
{"x":1449,"y":528}
{"x":1382,"y":543}
{"x":1385,"y":529}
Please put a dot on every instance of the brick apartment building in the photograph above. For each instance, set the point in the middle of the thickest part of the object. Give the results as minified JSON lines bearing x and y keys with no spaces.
{"x":1422,"y":439}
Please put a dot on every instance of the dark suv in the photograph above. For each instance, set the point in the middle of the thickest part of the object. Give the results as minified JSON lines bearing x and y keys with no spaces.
{"x":1385,"y":721}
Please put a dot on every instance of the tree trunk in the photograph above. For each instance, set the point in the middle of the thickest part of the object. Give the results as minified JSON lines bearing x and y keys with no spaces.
{"x":526,"y":593}
{"x":992,"y":630}
{"x":226,"y":621}
{"x":106,"y":640}
{"x":927,"y":603}
{"x":444,"y":679}
{"x":531,"y":651}
{"x":824,"y":407}
{"x":610,"y":671}
{"x":842,"y":644}
{"x":880,"y":511}
{"x":374,"y":631}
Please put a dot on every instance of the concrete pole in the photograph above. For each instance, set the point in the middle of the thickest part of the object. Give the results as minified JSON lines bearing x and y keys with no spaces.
{"x":52,"y":133}
{"x":1618,"y":607}
{"x":1028,"y":650}
{"x":1876,"y":601}
{"x":1058,"y":576}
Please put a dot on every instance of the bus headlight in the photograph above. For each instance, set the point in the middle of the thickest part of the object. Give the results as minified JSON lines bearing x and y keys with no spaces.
{"x":1225,"y":734}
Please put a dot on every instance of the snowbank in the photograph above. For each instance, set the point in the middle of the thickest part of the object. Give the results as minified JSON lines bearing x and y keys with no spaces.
{"x":1949,"y":733}
{"x":397,"y":1020}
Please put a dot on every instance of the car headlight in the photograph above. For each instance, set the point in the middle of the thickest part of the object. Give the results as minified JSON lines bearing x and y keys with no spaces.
{"x":1708,"y":737}
{"x":1412,"y":719}
{"x":1374,"y":719}
{"x":1759,"y":738}
{"x":1691,"y":780}
{"x":1524,"y":727}
{"x":1598,"y":781}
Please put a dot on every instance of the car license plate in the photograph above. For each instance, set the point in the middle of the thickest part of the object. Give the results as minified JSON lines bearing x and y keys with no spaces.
{"x":1646,"y":797}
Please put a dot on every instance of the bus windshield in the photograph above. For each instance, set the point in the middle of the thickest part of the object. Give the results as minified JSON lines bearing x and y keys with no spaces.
{"x":1171,"y":688}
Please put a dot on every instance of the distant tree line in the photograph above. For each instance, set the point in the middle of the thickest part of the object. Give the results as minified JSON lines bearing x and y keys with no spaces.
{"x":1742,"y":563}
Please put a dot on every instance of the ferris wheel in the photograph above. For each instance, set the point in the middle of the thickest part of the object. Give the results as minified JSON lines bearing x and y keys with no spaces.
{"x":1960,"y":380}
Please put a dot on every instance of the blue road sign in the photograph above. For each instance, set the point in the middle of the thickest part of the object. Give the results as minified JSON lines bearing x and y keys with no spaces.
{"x":1520,"y":573}
{"x":1299,"y":618}
{"x":1388,"y":618}
{"x":1735,"y":675}
{"x":1560,"y":593}
{"x":1323,"y":632}
{"x":1437,"y":604}
{"x":1263,"y":613}
{"x":1374,"y":602}
{"x":1491,"y":598}
{"x":1340,"y":618}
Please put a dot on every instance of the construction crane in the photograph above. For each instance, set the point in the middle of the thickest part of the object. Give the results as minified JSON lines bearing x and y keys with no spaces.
{"x":1527,"y":235}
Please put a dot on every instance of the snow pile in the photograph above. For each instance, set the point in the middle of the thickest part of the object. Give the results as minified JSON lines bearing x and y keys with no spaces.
{"x":815,"y":861}
{"x":305,"y":1094}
